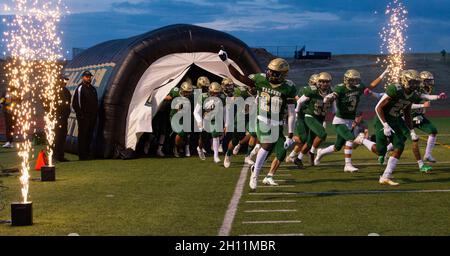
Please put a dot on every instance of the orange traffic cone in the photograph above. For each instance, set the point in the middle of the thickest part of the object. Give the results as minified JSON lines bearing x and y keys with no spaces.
{"x":41,"y":160}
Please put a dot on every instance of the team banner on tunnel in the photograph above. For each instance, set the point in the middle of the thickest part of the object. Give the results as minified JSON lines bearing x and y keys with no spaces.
{"x":101,"y":73}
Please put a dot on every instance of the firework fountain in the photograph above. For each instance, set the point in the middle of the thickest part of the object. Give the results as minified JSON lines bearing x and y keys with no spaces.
{"x":394,"y":39}
{"x":34,"y":45}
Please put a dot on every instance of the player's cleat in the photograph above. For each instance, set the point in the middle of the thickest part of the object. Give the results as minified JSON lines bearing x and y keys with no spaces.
{"x":289,"y":159}
{"x":381,"y":160}
{"x":160,"y":153}
{"x":430,"y":159}
{"x":8,"y":145}
{"x":425,"y":169}
{"x":187,"y":151}
{"x":269,"y":181}
{"x":236,"y":149}
{"x":201,"y":154}
{"x":227,"y":162}
{"x":175,"y":152}
{"x":253,"y":178}
{"x":359,"y":139}
{"x":311,"y":158}
{"x":387,"y":181}
{"x":217,"y":160}
{"x":318,"y":157}
{"x":350,"y":168}
{"x":299,"y":163}
{"x":248,"y":160}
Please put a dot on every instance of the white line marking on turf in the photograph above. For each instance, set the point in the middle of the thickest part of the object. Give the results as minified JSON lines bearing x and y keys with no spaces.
{"x":232,"y":207}
{"x":270,"y":201}
{"x":273,"y":194}
{"x":280,"y":186}
{"x":274,"y":235}
{"x":282,"y":168}
{"x":376,"y":164}
{"x":264,"y":211}
{"x":279,"y":175}
{"x":276,"y":180}
{"x":271,"y":222}
{"x":356,"y":192}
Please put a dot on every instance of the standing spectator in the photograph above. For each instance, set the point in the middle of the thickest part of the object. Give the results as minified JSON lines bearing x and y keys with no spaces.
{"x":85,"y":104}
{"x":6,"y":103}
{"x":62,"y":115}
{"x":444,"y":55}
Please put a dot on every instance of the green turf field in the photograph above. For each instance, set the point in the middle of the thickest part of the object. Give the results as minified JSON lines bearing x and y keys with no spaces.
{"x":190,"y":197}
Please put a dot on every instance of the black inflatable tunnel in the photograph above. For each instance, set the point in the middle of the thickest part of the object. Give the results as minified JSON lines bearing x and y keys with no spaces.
{"x":118,"y":66}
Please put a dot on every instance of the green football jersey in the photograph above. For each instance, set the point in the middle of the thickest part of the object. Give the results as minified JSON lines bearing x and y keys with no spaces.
{"x":175,"y":93}
{"x":347,"y":100}
{"x":209,"y":103}
{"x":273,"y":99}
{"x":315,"y":106}
{"x":399,"y":101}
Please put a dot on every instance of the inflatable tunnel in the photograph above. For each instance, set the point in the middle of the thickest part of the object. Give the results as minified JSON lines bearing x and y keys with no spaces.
{"x":132,"y":76}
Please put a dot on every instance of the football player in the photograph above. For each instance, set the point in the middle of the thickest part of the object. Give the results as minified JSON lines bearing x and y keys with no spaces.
{"x":274,"y":93}
{"x":182,"y":138}
{"x":346,"y":96}
{"x":210,"y":102}
{"x":389,"y":125}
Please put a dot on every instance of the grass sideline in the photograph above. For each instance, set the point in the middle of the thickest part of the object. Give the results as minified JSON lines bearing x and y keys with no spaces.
{"x":190,"y":197}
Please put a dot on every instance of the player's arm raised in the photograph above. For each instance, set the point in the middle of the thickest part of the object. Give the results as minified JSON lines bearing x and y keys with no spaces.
{"x":234,"y":72}
{"x":379,"y":79}
{"x":368,"y":91}
{"x":441,"y":96}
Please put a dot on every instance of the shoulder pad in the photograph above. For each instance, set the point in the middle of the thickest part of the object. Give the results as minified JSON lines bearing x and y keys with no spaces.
{"x":176,"y":89}
{"x":314,"y":88}
{"x":340,"y":85}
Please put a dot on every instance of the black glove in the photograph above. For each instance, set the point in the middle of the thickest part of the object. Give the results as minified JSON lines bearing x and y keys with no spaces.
{"x":223,"y":54}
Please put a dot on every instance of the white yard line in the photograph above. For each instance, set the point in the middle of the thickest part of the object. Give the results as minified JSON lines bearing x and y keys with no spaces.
{"x":280,"y":186}
{"x":356,"y":163}
{"x":271,"y":201}
{"x":232,"y":207}
{"x":272,"y":194}
{"x":356,"y":192}
{"x":277,"y":175}
{"x":272,"y":222}
{"x":265,"y":211}
{"x":275,"y":180}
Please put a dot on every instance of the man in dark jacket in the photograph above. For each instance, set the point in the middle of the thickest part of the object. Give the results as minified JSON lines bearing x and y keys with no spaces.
{"x":62,"y":115}
{"x":85,"y":104}
{"x":6,"y":105}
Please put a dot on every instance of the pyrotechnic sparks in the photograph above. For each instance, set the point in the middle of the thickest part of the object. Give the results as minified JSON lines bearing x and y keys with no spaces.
{"x":394,"y":39}
{"x":34,"y":46}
